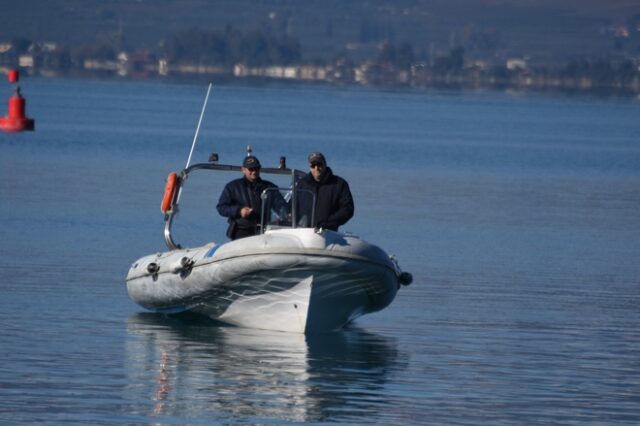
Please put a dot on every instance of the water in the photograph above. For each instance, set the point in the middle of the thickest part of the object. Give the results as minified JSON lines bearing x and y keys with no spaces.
{"x":517,"y":215}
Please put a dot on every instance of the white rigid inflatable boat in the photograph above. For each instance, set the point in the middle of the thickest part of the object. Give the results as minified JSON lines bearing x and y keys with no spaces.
{"x":289,"y":277}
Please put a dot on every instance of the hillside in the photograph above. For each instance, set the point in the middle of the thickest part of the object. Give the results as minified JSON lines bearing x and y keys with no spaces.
{"x":542,"y":30}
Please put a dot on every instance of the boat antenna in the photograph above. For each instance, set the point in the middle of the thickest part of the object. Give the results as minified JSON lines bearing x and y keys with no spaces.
{"x":195,"y":137}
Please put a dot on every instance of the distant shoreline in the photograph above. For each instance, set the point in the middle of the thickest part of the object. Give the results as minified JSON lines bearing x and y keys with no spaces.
{"x":457,"y":84}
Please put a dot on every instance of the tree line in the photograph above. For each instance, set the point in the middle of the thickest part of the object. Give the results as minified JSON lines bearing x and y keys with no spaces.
{"x":227,"y":47}
{"x":232,"y":47}
{"x":255,"y":49}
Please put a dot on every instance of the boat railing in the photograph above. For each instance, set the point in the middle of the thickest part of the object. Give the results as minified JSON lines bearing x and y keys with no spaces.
{"x":176,"y":181}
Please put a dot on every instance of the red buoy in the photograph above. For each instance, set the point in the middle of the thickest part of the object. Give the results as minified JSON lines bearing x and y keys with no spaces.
{"x":13,"y":76}
{"x":16,"y":120}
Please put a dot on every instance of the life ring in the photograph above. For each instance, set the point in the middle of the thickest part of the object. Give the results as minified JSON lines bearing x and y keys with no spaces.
{"x":169,"y":192}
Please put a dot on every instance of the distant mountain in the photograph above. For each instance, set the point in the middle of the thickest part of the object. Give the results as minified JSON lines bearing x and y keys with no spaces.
{"x":541,"y":30}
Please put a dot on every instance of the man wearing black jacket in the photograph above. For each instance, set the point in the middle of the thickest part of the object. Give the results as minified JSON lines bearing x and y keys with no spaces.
{"x":240,"y":200}
{"x":334,"y":203}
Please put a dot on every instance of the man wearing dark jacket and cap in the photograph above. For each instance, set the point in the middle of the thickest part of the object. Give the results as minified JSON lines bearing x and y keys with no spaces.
{"x":334,"y":203}
{"x":240,"y":200}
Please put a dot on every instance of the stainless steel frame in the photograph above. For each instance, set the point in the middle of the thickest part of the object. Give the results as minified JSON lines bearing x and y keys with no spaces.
{"x":184,"y":174}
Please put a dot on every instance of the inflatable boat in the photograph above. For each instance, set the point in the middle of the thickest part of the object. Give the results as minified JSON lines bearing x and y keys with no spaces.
{"x":289,"y":277}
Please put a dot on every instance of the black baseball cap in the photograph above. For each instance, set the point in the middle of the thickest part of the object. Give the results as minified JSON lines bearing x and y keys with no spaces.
{"x":251,"y":162}
{"x":317,"y":157}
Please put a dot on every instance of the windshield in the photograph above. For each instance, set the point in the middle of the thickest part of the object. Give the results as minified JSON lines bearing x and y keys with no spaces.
{"x":281,"y":208}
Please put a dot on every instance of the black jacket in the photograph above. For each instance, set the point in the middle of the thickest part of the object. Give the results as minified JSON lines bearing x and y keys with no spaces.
{"x":334,"y":203}
{"x":241,"y":193}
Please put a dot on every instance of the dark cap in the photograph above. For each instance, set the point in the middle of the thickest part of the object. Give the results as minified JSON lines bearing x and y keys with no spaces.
{"x":251,"y":162}
{"x":317,"y":157}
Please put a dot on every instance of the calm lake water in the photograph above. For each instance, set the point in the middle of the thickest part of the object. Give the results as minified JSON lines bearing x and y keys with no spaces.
{"x":518,"y":215}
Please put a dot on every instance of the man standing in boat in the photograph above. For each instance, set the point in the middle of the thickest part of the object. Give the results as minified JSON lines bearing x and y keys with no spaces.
{"x":334,"y":203}
{"x":240,"y":200}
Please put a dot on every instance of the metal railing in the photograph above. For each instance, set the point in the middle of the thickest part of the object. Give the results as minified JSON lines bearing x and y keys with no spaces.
{"x":214,"y":166}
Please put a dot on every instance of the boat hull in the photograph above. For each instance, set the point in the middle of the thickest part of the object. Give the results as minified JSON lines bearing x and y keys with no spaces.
{"x":295,"y":280}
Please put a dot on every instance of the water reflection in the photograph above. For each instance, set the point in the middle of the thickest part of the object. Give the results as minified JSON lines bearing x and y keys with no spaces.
{"x":189,"y":368}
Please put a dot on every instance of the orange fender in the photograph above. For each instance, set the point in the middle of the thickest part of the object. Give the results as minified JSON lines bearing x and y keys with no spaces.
{"x":169,"y":192}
